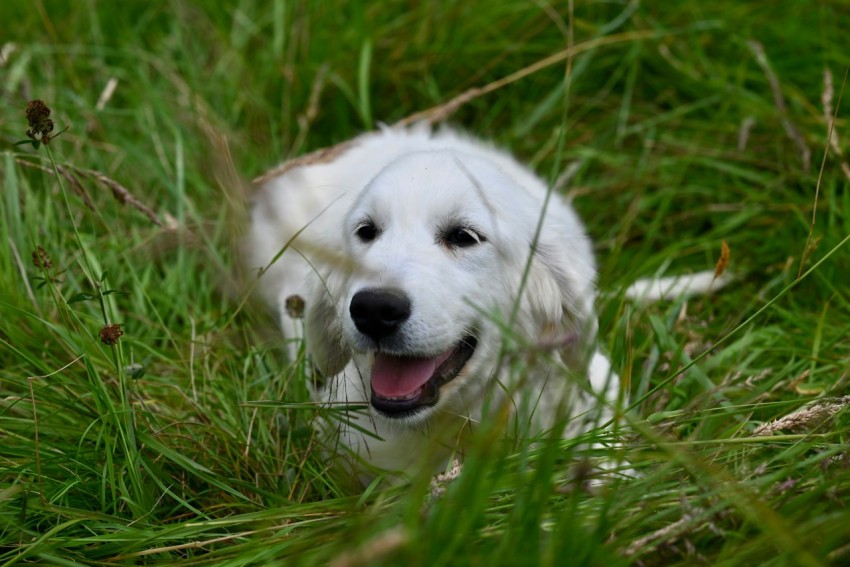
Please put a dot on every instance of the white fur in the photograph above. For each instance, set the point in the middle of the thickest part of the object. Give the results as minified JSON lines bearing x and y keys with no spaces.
{"x":412,"y":182}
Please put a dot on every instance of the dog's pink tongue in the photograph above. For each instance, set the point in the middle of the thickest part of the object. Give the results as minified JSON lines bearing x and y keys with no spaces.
{"x":401,"y":376}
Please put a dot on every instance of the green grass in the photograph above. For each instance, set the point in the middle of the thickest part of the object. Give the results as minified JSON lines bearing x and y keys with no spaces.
{"x":190,"y":440}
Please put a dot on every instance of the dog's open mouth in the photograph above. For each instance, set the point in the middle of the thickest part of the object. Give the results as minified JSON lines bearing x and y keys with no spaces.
{"x":401,"y":385}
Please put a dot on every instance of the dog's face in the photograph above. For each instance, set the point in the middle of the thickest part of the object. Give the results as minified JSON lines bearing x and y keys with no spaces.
{"x":439,"y":245}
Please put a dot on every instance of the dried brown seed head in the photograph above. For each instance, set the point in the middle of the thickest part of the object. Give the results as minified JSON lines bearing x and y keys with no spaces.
{"x":295,"y":306}
{"x":40,"y":259}
{"x":723,"y":261}
{"x":110,"y":334}
{"x":38,"y":116}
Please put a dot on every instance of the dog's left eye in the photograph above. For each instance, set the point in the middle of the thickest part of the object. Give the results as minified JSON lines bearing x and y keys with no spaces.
{"x":462,"y":237}
{"x":367,"y":231}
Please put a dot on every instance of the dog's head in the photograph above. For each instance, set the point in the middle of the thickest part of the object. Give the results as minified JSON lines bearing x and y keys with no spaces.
{"x":442,"y":245}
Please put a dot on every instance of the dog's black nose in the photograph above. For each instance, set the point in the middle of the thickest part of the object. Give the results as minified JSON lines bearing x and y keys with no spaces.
{"x":378,"y":313}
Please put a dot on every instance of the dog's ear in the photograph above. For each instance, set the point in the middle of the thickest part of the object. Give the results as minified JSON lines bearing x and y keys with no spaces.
{"x":560,"y":296}
{"x":330,"y":353}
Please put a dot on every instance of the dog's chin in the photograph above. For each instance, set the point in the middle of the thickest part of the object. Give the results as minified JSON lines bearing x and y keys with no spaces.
{"x":405,"y":389}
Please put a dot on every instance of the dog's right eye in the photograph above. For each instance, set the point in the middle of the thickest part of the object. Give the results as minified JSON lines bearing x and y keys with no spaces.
{"x":366,"y":231}
{"x":462,"y":237}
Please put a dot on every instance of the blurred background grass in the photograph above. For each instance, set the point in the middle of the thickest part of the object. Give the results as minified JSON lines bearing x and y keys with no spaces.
{"x":689,"y":123}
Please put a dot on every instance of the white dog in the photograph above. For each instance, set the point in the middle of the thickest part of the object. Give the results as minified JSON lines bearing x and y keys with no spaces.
{"x":421,"y":258}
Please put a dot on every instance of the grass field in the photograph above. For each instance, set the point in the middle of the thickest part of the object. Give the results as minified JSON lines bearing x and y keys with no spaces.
{"x":683,"y":124}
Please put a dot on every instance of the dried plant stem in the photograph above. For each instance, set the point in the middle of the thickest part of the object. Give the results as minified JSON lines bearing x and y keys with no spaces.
{"x":30,"y":380}
{"x":194,"y":544}
{"x":830,"y":116}
{"x":442,"y":111}
{"x":790,"y":129}
{"x":827,"y":100}
{"x":658,"y":537}
{"x":121,"y":193}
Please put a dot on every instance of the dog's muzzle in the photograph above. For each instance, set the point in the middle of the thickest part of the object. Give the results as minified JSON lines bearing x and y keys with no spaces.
{"x":403,"y":384}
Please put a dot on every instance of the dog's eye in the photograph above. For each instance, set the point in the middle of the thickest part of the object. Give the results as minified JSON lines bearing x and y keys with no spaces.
{"x":462,"y":237}
{"x":366,"y":231}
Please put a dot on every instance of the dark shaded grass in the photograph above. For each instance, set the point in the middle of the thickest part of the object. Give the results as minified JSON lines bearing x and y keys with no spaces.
{"x":204,"y":451}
